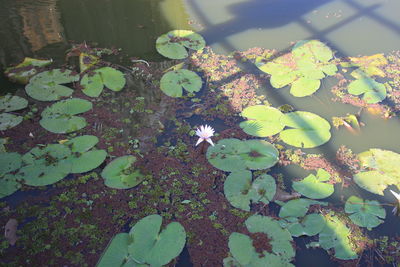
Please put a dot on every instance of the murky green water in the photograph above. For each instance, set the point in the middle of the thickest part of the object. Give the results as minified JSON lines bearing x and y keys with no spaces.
{"x":46,"y":28}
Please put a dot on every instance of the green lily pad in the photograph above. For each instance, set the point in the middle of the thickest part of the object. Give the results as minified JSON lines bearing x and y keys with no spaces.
{"x":304,"y":87}
{"x":47,"y":85}
{"x":120,"y":173}
{"x":82,"y":143}
{"x":382,"y":170}
{"x":310,"y":225}
{"x":365,"y":213}
{"x":241,"y":191}
{"x":60,"y":117}
{"x":298,"y":207}
{"x":173,"y":82}
{"x":174,"y":43}
{"x":9,"y":184}
{"x":93,"y":83}
{"x":314,"y":187}
{"x":373,"y":92}
{"x":26,"y":69}
{"x":9,"y":162}
{"x":87,"y":161}
{"x":310,"y":130}
{"x":116,"y":253}
{"x":150,"y":246}
{"x":45,"y":166}
{"x":262,"y":121}
{"x":234,"y":155}
{"x":7,"y":121}
{"x":12,"y":103}
{"x":241,"y":248}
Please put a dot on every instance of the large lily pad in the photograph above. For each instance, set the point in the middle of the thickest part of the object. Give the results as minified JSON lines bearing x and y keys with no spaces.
{"x":48,"y":85}
{"x":382,"y":170}
{"x":233,"y":155}
{"x":120,"y":173}
{"x":372,"y":91}
{"x":26,"y":69}
{"x":365,"y":213}
{"x":309,"y":130}
{"x":314,"y":186}
{"x":93,"y":83}
{"x":241,"y":191}
{"x":60,"y":117}
{"x":173,"y":82}
{"x":7,"y":121}
{"x":262,"y":121}
{"x":12,"y":103}
{"x":174,"y":43}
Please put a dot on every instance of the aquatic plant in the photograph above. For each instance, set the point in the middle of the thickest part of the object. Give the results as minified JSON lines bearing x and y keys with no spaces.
{"x":121,"y":174}
{"x":204,"y":133}
{"x":309,"y":225}
{"x":234,"y":155}
{"x":372,"y":91}
{"x":22,"y":72}
{"x":365,"y":213}
{"x":145,"y":245}
{"x":308,"y":129}
{"x":48,"y":85}
{"x":174,"y":43}
{"x":94,"y":82}
{"x":380,"y":170}
{"x":315,"y":186}
{"x":244,"y":253}
{"x":241,"y":191}
{"x":60,"y":117}
{"x":303,"y":68}
{"x":9,"y":183}
{"x":10,"y":103}
{"x":370,"y":65}
{"x":86,"y":61}
{"x":297,"y":207}
{"x":173,"y":82}
{"x":396,"y":208}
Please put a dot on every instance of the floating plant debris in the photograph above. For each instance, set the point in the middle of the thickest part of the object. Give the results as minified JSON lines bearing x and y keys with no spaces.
{"x":26,"y":69}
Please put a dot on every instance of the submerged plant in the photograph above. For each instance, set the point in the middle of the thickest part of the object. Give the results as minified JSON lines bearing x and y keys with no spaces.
{"x":121,"y":174}
{"x":315,"y":186}
{"x":9,"y":103}
{"x":174,"y":43}
{"x":94,"y":82}
{"x":173,"y":82}
{"x":145,"y":245}
{"x":365,"y":213}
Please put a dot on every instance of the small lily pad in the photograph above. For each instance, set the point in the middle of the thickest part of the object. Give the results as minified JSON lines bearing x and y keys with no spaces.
{"x":10,"y":162}
{"x":365,"y":213}
{"x":93,"y":83}
{"x":173,"y":82}
{"x":314,"y":186}
{"x":372,"y":91}
{"x":174,"y":43}
{"x":120,"y":173}
{"x":48,"y":85}
{"x":7,"y":121}
{"x":298,"y":207}
{"x":12,"y":103}
{"x":310,"y":225}
{"x":262,"y":121}
{"x":9,"y":184}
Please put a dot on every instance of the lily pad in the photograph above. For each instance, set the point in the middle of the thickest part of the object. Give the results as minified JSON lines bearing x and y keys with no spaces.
{"x":120,"y":173}
{"x":116,"y":253}
{"x":309,"y":130}
{"x":241,"y":191}
{"x":48,"y":85}
{"x":241,"y":248}
{"x":10,"y":162}
{"x":93,"y":83}
{"x":173,"y":82}
{"x":233,"y":155}
{"x":174,"y":43}
{"x":298,"y":207}
{"x":82,"y":143}
{"x":314,"y":186}
{"x":370,"y":65}
{"x":9,"y":184}
{"x":372,"y":91}
{"x":365,"y":213}
{"x":60,"y":117}
{"x":310,"y":225}
{"x":262,"y":121}
{"x":26,"y":69}
{"x":12,"y":103}
{"x":382,"y":170}
{"x":7,"y":121}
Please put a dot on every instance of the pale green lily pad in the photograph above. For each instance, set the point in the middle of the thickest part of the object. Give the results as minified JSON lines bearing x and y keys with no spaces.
{"x":12,"y":103}
{"x":82,"y":143}
{"x":382,"y":170}
{"x":8,"y":121}
{"x":87,"y":161}
{"x":9,"y":162}
{"x":313,"y":50}
{"x":298,"y":207}
{"x":314,"y":186}
{"x":241,"y":248}
{"x":47,"y":85}
{"x":241,"y":191}
{"x":150,"y":246}
{"x":9,"y":184}
{"x":120,"y":173}
{"x":60,"y":117}
{"x":174,"y":43}
{"x":26,"y":69}
{"x":373,"y":92}
{"x":365,"y":213}
{"x":262,"y":121}
{"x":310,"y":130}
{"x":234,"y":155}
{"x":173,"y":82}
{"x":304,"y":87}
{"x":310,"y":225}
{"x":93,"y":83}
{"x":116,"y":253}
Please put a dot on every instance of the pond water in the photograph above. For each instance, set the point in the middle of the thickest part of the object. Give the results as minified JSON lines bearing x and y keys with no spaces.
{"x":46,"y":28}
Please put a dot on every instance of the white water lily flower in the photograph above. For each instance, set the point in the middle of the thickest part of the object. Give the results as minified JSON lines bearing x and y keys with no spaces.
{"x":204,"y":133}
{"x":397,"y":196}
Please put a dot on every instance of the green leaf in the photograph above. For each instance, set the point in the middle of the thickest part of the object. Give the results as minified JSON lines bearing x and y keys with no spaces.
{"x":93,"y":83}
{"x":304,"y":87}
{"x":87,"y":161}
{"x":9,"y":184}
{"x":26,"y":69}
{"x":7,"y":121}
{"x":12,"y":103}
{"x":47,"y":85}
{"x":82,"y":143}
{"x":310,"y":225}
{"x":174,"y":43}
{"x":116,"y":253}
{"x":120,"y":173}
{"x":373,"y":91}
{"x":314,"y":187}
{"x":241,"y":248}
{"x":173,"y":82}
{"x":9,"y":162}
{"x":262,"y":121}
{"x":297,"y":207}
{"x":365,"y":213}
